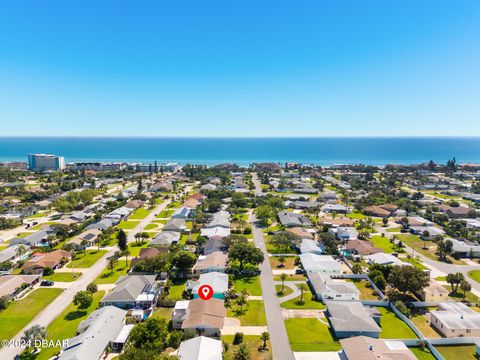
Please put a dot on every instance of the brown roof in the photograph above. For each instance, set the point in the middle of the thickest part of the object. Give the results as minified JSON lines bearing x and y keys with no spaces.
{"x":216,"y":258}
{"x":362,"y":247}
{"x":337,"y":221}
{"x":191,"y":203}
{"x":367,"y":348}
{"x":298,"y":231}
{"x":203,"y":313}
{"x":458,"y":211}
{"x":197,"y":196}
{"x":9,"y":283}
{"x":134,"y":204}
{"x":90,"y":235}
{"x":389,"y":207}
{"x":376,"y":211}
{"x":146,"y":253}
{"x":42,"y":260}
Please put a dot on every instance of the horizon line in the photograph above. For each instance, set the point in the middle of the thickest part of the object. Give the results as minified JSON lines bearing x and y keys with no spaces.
{"x":240,"y":137}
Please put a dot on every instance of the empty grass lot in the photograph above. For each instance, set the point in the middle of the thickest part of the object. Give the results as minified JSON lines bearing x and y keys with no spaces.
{"x":288,"y":264}
{"x":383,"y":243}
{"x":252,"y":314}
{"x":393,"y":327}
{"x":310,"y":335}
{"x":251,"y":283}
{"x":308,"y":303}
{"x":63,"y":276}
{"x":87,"y":260}
{"x":139,"y":214}
{"x":65,"y":325}
{"x":110,"y":277}
{"x":253,"y":343}
{"x":19,"y":313}
{"x":127,"y":225}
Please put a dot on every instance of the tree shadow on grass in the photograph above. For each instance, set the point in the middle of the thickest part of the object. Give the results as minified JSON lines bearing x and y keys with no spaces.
{"x":73,"y":315}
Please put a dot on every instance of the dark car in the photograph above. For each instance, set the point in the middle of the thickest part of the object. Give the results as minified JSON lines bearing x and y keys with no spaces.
{"x":46,"y":283}
{"x":298,"y":271}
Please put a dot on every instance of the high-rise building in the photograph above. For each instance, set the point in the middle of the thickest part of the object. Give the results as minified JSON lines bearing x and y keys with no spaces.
{"x":45,"y":162}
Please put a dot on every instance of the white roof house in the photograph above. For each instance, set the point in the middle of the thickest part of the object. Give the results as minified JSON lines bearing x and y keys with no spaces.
{"x":200,"y":348}
{"x":218,"y":281}
{"x":215,"y":232}
{"x":455,"y":319}
{"x":326,"y":288}
{"x":385,"y":259}
{"x":464,"y":248}
{"x":220,"y":219}
{"x":310,"y":246}
{"x":320,"y":263}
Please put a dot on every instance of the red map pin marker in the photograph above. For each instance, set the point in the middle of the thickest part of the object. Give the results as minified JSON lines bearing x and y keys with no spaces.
{"x":205,"y":292}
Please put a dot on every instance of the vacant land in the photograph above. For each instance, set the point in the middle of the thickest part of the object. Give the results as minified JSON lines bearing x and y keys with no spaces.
{"x":127,"y":225}
{"x":252,"y":314}
{"x":254,"y":343}
{"x":475,"y":275}
{"x":464,"y":352}
{"x":292,"y":277}
{"x":289,"y":262}
{"x":250,"y":283}
{"x":383,"y":243}
{"x":86,"y":260}
{"x":63,"y":276}
{"x":421,"y":322}
{"x":422,"y":354}
{"x":19,"y":313}
{"x":311,"y":335}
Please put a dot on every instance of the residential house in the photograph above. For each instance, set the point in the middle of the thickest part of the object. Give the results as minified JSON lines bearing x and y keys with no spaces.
{"x":204,"y":317}
{"x":40,"y":261}
{"x":459,"y":212}
{"x":320,"y":263}
{"x":335,"y":208}
{"x":367,"y":348}
{"x":133,"y":291}
{"x":352,"y":318}
{"x":134,"y":204}
{"x":181,"y":213}
{"x":90,"y":236}
{"x":165,"y":239}
{"x":218,"y":282}
{"x":305,"y":204}
{"x":200,"y":348}
{"x":15,"y":253}
{"x":119,"y":214}
{"x":95,"y":334}
{"x":325,"y":288}
{"x":432,"y":231}
{"x":336,"y":222}
{"x":145,"y":253}
{"x":344,"y":233}
{"x":214,"y":261}
{"x":103,"y":224}
{"x":217,"y":232}
{"x":12,"y":285}
{"x":377,"y":211}
{"x":175,"y":224}
{"x":434,"y":292}
{"x":384,"y":259}
{"x":208,"y":187}
{"x":361,"y":247}
{"x":290,"y":219}
{"x":465,"y":248}
{"x":213,"y":244}
{"x":310,"y":246}
{"x":38,"y":238}
{"x":455,"y":319}
{"x":219,"y":219}
{"x":301,"y":233}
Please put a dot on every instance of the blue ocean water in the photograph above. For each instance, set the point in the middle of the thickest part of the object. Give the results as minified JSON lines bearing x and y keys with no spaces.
{"x":322,"y":151}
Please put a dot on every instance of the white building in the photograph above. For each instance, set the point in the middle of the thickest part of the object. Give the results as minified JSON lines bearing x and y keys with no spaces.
{"x":44,"y":162}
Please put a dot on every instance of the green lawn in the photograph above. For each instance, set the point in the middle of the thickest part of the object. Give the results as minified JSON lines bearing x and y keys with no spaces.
{"x":394,"y":230}
{"x":165,"y":214}
{"x":415,"y":262}
{"x":139,"y":214}
{"x":253,"y":343}
{"x":152,"y":226}
{"x":424,"y":354}
{"x":253,"y":314}
{"x":65,"y":325}
{"x":475,"y":275}
{"x":463,"y":352}
{"x":251,"y":283}
{"x":356,"y":215}
{"x":177,"y":289}
{"x":127,"y":225}
{"x":164,"y":313}
{"x":383,"y":243}
{"x":308,"y":303}
{"x":19,"y":313}
{"x":110,"y":277}
{"x":393,"y":327}
{"x":310,"y":334}
{"x":38,"y":215}
{"x":87,"y":260}
{"x":470,"y":297}
{"x":42,"y":225}
{"x":63,"y":276}
{"x":273,"y":249}
{"x":286,"y":290}
{"x":366,"y":291}
{"x":293,"y":277}
{"x":134,"y":249}
{"x":420,"y":321}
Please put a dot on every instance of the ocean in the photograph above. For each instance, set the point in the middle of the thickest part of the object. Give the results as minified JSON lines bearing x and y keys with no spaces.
{"x":244,"y":151}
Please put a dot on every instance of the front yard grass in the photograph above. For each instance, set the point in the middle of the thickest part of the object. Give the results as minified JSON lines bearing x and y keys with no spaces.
{"x":415,"y":262}
{"x":311,"y":335}
{"x":291,"y":277}
{"x":252,"y":314}
{"x":286,"y":290}
{"x":470,"y":297}
{"x":165,"y":214}
{"x":251,"y":283}
{"x":355,"y":215}
{"x":140,"y":214}
{"x":63,"y":276}
{"x":19,"y":313}
{"x":393,"y":327}
{"x":65,"y":325}
{"x":110,"y":277}
{"x":464,"y":352}
{"x":152,"y":226}
{"x":253,"y":343}
{"x":421,"y":322}
{"x":288,"y":264}
{"x":127,"y":225}
{"x":383,"y":243}
{"x":475,"y":275}
{"x":42,"y":225}
{"x":87,"y":260}
{"x":308,"y":302}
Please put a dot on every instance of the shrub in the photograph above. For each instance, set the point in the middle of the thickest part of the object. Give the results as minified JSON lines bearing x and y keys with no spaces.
{"x":48,"y":271}
{"x":238,"y":338}
{"x":92,"y":288}
{"x":247,"y":230}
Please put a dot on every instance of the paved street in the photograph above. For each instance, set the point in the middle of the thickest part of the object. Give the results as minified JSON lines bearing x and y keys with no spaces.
{"x":276,"y":327}
{"x":54,"y":309}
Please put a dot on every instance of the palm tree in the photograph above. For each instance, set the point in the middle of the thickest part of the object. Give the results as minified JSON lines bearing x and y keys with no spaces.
{"x":281,"y":260}
{"x":265,"y":337}
{"x":20,"y":251}
{"x":112,"y":263}
{"x":36,"y":332}
{"x":243,"y":353}
{"x":283,"y":277}
{"x":84,"y":243}
{"x":302,"y":287}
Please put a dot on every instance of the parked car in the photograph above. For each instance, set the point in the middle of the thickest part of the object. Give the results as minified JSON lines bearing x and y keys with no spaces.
{"x":298,"y":271}
{"x":46,"y":283}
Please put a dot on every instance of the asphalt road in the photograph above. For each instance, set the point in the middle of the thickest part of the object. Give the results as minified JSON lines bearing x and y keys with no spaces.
{"x":276,"y":327}
{"x":55,"y":308}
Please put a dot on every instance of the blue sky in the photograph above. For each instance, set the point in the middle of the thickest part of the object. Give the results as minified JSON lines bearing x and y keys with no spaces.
{"x":240,"y":68}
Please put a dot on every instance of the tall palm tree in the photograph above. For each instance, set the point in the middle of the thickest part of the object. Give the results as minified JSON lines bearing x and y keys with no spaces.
{"x":283,"y":277}
{"x":265,"y":337}
{"x":84,"y":243}
{"x":20,"y":251}
{"x":302,"y":287}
